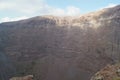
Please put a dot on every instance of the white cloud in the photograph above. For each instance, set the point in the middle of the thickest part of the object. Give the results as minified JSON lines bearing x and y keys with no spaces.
{"x":34,"y":7}
{"x":23,"y":6}
{"x":6,"y":19}
{"x":72,"y":11}
{"x":5,"y":5}
{"x":110,"y":5}
{"x":31,"y":7}
{"x":68,"y":11}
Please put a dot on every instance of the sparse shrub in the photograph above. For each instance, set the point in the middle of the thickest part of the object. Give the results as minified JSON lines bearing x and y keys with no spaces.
{"x":116,"y":78}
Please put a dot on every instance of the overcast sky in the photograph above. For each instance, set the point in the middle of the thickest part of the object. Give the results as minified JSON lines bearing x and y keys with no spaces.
{"x":11,"y":10}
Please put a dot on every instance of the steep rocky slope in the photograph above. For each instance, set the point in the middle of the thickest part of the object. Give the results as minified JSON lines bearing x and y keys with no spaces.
{"x":6,"y":68}
{"x":62,"y":48}
{"x":110,"y":72}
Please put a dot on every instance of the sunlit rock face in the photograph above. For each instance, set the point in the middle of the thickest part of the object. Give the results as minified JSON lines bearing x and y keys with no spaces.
{"x":109,"y":72}
{"x":28,"y":77}
{"x":62,"y":48}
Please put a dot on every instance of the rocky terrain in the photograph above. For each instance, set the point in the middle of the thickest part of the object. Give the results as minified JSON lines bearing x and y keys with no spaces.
{"x":110,"y":72}
{"x":60,"y":48}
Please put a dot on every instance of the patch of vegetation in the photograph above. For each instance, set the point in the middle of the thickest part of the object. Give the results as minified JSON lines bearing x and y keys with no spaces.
{"x":116,"y":78}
